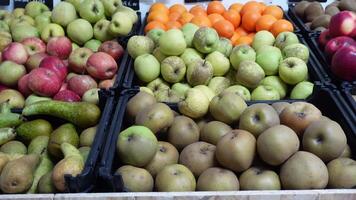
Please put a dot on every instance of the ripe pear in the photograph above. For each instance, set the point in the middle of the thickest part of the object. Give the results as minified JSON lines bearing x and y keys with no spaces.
{"x":14,"y":147}
{"x":87,"y":137}
{"x":45,"y":184}
{"x":63,"y":134}
{"x":195,"y":105}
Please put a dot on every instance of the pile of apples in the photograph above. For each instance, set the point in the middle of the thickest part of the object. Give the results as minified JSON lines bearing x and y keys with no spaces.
{"x":170,"y":62}
{"x":339,"y":45}
{"x":238,"y":147}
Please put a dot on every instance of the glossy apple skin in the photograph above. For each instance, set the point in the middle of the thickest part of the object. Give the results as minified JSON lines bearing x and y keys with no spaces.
{"x":22,"y":86}
{"x":113,"y":48}
{"x":56,"y":65}
{"x":67,"y":95}
{"x":343,"y":63}
{"x":324,"y":38}
{"x":34,"y":45}
{"x":15,"y":52}
{"x":60,"y":47}
{"x":81,"y":83}
{"x":101,"y":66}
{"x":336,"y":43}
{"x":343,"y":24}
{"x":44,"y":82}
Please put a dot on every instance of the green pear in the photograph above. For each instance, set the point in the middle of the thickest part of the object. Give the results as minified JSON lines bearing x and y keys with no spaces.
{"x":31,"y":129}
{"x":84,"y":152}
{"x":172,"y":42}
{"x":14,"y":147}
{"x":35,"y":8}
{"x":189,"y":30}
{"x":43,"y":168}
{"x":87,"y":137}
{"x":45,"y":184}
{"x":63,"y":13}
{"x":63,"y":134}
{"x":39,"y":145}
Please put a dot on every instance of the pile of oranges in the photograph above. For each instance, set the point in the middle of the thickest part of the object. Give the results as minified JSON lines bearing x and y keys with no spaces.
{"x":239,"y":22}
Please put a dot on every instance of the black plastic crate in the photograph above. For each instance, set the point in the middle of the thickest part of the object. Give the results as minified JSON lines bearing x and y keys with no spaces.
{"x":348,"y":90}
{"x":328,"y":101}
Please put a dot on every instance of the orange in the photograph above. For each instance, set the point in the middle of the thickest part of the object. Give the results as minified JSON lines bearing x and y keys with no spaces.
{"x":154,"y":25}
{"x":173,"y":25}
{"x":265,"y":22}
{"x":262,"y":6}
{"x":215,"y":18}
{"x":251,"y":35}
{"x":241,"y":31}
{"x":215,"y":7}
{"x":177,"y":8}
{"x":174,"y":16}
{"x":224,"y":28}
{"x":275,"y":11}
{"x":244,"y":40}
{"x":157,"y":16}
{"x":251,"y":6}
{"x":232,"y":16}
{"x":234,"y":38}
{"x":236,"y":6}
{"x":280,"y":26}
{"x":198,"y":10}
{"x":249,"y":20}
{"x":159,"y":7}
{"x":201,"y":21}
{"x":185,"y":18}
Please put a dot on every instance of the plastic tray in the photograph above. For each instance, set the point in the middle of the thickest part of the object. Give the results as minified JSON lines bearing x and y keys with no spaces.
{"x":327,"y":100}
{"x":349,"y":89}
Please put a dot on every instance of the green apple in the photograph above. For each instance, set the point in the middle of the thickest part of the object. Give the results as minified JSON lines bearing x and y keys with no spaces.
{"x":224,"y":47}
{"x":6,"y":16}
{"x":286,"y":38}
{"x":157,"y":84}
{"x":35,"y":8}
{"x":218,"y":84}
{"x":63,"y":13}
{"x":111,"y":6}
{"x":264,"y":92}
{"x":189,"y":30}
{"x":5,"y":39}
{"x":147,"y":90}
{"x":75,"y":3}
{"x":101,"y":30}
{"x":172,"y":42}
{"x":293,"y":70}
{"x":138,"y":45}
{"x":239,"y":90}
{"x":269,"y":58}
{"x":277,"y":84}
{"x":302,"y":90}
{"x":220,"y":63}
{"x":168,"y":96}
{"x":249,"y":74}
{"x":24,"y":19}
{"x":189,"y":55}
{"x":199,"y":72}
{"x":74,"y":46}
{"x":155,"y":34}
{"x":17,"y":12}
{"x":129,"y":11}
{"x":80,"y":31}
{"x":120,"y":24}
{"x":4,"y":26}
{"x":24,"y":31}
{"x":92,"y":10}
{"x":296,"y":50}
{"x":93,"y":44}
{"x":231,"y":76}
{"x":41,"y":21}
{"x":262,"y":38}
{"x":181,"y":88}
{"x":158,"y":54}
{"x":173,"y":69}
{"x":207,"y":91}
{"x":195,"y":105}
{"x":206,"y":40}
{"x":51,"y":30}
{"x":241,"y":53}
{"x":147,"y":67}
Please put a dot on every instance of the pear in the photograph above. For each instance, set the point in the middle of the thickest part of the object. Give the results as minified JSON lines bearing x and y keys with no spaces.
{"x":84,"y":151}
{"x":17,"y":175}
{"x":14,"y":147}
{"x":65,"y":133}
{"x":45,"y":185}
{"x":29,"y":130}
{"x":43,"y":168}
{"x":195,"y":105}
{"x":38,"y":145}
{"x":87,"y":137}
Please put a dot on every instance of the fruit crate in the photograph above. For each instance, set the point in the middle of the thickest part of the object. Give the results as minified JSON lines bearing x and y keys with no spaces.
{"x":328,"y":101}
{"x":298,"y":21}
{"x":348,"y":91}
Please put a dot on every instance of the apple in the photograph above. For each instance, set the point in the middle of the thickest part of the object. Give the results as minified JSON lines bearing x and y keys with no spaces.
{"x":23,"y":31}
{"x":101,"y":65}
{"x":172,"y":42}
{"x":139,"y":45}
{"x":209,"y":93}
{"x":276,"y":83}
{"x":258,"y":178}
{"x":157,"y":84}
{"x":218,"y":84}
{"x":81,"y":83}
{"x":17,"y":12}
{"x":173,"y":69}
{"x":343,"y":24}
{"x":75,"y":3}
{"x":199,"y":72}
{"x":220,"y":63}
{"x":120,"y":24}
{"x":51,"y":30}
{"x":80,"y":31}
{"x":189,"y":30}
{"x":5,"y":39}
{"x":175,"y":178}
{"x":206,"y":40}
{"x":56,"y":65}
{"x":23,"y":86}
{"x":293,"y":70}
{"x":64,"y":86}
{"x":93,"y":44}
{"x":42,"y":21}
{"x":35,"y":8}
{"x":110,"y":6}
{"x":224,"y":47}
{"x":269,"y":58}
{"x":343,"y":63}
{"x":128,"y":11}
{"x":286,"y":38}
{"x":22,"y":20}
{"x":63,"y":13}
{"x":302,"y":90}
{"x":44,"y":82}
{"x":74,"y":46}
{"x":341,"y":173}
{"x":181,"y":88}
{"x":262,"y":38}
{"x":67,"y":96}
{"x":113,"y":48}
{"x":239,"y":90}
{"x":3,"y":87}
{"x":265,"y":92}
{"x":59,"y":46}
{"x":195,"y":104}
{"x":10,"y":73}
{"x":69,"y":76}
{"x":13,"y":97}
{"x":143,"y":72}
{"x":78,"y":59}
{"x":336,"y":43}
{"x":4,"y":27}
{"x":324,"y":38}
{"x":106,"y":84}
{"x":34,"y":61}
{"x":34,"y":45}
{"x":92,"y":10}
{"x":101,"y":30}
{"x":91,"y":96}
{"x":190,"y":54}
{"x":155,"y":34}
{"x":296,"y":50}
{"x":241,"y":53}
{"x":15,"y":52}
{"x":249,"y":74}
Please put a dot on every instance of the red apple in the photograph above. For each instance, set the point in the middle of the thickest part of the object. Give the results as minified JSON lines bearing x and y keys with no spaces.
{"x":106,"y":84}
{"x":3,"y":87}
{"x":44,"y":82}
{"x":343,"y":24}
{"x":64,"y":86}
{"x":15,"y":52}
{"x":55,"y":64}
{"x":78,"y":59}
{"x":113,"y":48}
{"x":67,"y":95}
{"x":343,"y":63}
{"x":101,"y":65}
{"x":60,"y":47}
{"x":336,"y":43}
{"x":34,"y":61}
{"x":22,"y":86}
{"x":324,"y":38}
{"x":34,"y":45}
{"x":81,"y":83}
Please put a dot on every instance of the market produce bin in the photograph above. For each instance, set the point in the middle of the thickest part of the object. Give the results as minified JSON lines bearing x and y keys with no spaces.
{"x":327,"y":100}
{"x":298,"y":21}
{"x":349,"y":91}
